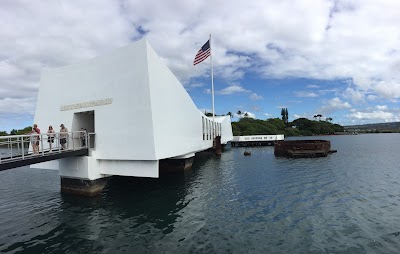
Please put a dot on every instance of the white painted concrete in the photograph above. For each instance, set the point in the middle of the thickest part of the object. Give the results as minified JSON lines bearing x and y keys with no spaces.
{"x":138,"y":109}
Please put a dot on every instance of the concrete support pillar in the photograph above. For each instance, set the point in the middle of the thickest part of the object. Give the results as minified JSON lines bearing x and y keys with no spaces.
{"x":175,"y":165}
{"x":218,"y":148}
{"x":82,"y":187}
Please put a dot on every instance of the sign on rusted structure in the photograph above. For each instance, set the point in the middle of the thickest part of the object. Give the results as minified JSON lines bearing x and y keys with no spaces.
{"x":303,"y":148}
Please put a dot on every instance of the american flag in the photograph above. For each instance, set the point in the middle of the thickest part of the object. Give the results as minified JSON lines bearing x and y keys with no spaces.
{"x":203,"y":53}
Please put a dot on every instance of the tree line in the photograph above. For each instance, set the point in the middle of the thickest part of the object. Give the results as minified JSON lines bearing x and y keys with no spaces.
{"x":299,"y":127}
{"x":17,"y":132}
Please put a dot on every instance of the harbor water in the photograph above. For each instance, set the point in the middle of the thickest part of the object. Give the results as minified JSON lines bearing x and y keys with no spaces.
{"x":347,"y":202}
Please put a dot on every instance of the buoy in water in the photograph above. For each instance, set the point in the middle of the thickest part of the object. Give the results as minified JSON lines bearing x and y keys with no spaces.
{"x":246,"y":153}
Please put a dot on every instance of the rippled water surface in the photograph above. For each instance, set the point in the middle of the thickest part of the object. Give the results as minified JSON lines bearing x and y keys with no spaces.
{"x":347,"y":202}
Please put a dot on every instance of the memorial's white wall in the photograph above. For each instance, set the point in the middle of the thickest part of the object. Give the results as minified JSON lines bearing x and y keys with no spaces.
{"x":138,"y":109}
{"x":176,"y":120}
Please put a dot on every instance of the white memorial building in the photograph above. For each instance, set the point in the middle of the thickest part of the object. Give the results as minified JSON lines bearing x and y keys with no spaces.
{"x":136,"y":109}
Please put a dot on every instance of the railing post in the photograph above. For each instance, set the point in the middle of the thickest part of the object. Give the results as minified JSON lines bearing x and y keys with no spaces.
{"x":41,"y":143}
{"x":86,"y":139}
{"x":22,"y":143}
{"x":10,"y":147}
{"x":73,"y":142}
{"x":58,"y":143}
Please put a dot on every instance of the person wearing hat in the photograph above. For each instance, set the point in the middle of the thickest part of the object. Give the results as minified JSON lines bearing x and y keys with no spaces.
{"x":63,"y":136}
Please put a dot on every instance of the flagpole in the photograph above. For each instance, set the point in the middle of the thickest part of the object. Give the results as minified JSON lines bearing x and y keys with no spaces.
{"x":212,"y":87}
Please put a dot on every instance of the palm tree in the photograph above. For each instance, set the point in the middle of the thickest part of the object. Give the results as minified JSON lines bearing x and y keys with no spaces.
{"x":239,"y":113}
{"x":246,"y":114}
{"x":286,"y":116}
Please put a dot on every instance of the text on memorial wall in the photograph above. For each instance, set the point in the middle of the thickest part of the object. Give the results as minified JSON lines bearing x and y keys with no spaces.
{"x":87,"y":104}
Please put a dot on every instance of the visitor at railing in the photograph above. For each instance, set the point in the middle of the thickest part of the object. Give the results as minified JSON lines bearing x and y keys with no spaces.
{"x":34,"y":140}
{"x":50,"y":137}
{"x":35,"y":127}
{"x":83,"y":137}
{"x":63,"y":136}
{"x":20,"y":147}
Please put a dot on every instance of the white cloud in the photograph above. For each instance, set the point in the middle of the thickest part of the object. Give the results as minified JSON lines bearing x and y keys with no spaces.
{"x":17,"y":105}
{"x":381,"y":107}
{"x":301,"y":115}
{"x":336,"y":42}
{"x":246,"y":114}
{"x":375,"y":115}
{"x":195,"y":85}
{"x":255,"y":97}
{"x":354,"y":95}
{"x":371,"y":97}
{"x":232,"y":90}
{"x":304,"y":94}
{"x":312,"y":86}
{"x":333,"y":105}
{"x":387,"y":88}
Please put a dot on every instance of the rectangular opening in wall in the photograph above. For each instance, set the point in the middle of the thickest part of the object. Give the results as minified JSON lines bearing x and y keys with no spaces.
{"x":84,"y":120}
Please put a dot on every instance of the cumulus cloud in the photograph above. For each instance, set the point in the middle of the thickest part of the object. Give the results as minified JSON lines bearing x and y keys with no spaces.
{"x":237,"y":89}
{"x":354,"y":95}
{"x":245,"y":114}
{"x":255,"y":97}
{"x":375,"y":115}
{"x":381,"y":107}
{"x":232,"y":90}
{"x":333,"y":105}
{"x":301,"y":115}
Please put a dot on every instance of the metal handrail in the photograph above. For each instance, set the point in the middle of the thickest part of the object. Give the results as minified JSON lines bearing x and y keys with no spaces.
{"x":16,"y":147}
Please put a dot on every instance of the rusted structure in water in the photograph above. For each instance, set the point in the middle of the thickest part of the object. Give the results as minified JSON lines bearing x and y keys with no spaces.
{"x":303,"y":148}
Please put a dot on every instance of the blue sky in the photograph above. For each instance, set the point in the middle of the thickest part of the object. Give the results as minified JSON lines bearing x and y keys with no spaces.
{"x":338,"y":58}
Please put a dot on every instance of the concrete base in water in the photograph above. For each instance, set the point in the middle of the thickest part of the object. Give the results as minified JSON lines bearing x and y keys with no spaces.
{"x":83,"y":187}
{"x":175,"y":165}
{"x":217,"y":145}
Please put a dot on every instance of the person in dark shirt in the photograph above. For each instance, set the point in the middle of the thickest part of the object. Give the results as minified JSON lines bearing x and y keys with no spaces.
{"x":35,"y":127}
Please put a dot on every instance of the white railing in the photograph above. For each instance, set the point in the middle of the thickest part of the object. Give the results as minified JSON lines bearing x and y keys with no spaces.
{"x":17,"y":147}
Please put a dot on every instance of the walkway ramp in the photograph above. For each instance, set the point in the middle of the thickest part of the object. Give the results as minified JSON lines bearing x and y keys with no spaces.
{"x":16,"y":151}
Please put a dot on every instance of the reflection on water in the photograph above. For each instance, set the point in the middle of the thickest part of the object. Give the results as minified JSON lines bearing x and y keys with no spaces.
{"x":346,"y":202}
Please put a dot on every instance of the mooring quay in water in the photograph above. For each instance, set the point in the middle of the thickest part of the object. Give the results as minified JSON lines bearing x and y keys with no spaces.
{"x":256,"y":140}
{"x":139,"y":114}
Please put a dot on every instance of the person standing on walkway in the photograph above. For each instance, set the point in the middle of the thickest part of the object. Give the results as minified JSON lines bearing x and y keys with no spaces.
{"x":63,"y":136}
{"x":83,"y":137}
{"x":37,"y":138}
{"x":34,"y":141}
{"x":50,"y":137}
